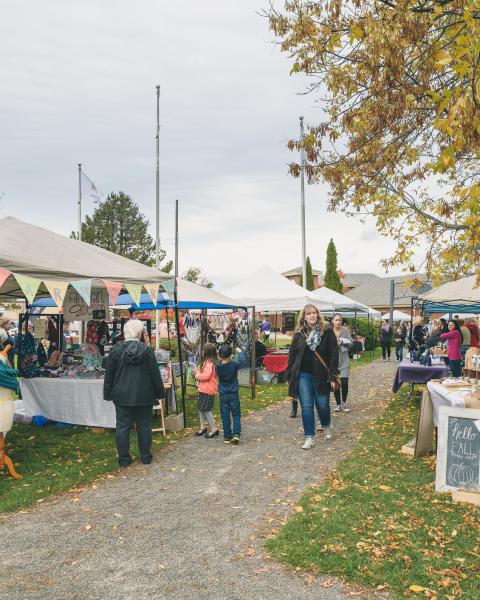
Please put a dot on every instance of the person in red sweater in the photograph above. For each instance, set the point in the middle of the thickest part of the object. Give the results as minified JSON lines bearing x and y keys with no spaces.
{"x":455,"y":339}
{"x":472,"y":327}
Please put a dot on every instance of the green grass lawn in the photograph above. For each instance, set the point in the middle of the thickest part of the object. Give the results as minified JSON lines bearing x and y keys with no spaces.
{"x":377,"y":521}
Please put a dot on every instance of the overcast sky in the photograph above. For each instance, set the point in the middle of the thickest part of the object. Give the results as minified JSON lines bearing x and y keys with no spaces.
{"x":77,"y":84}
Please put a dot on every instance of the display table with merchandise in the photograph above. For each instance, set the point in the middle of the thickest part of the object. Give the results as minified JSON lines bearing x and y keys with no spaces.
{"x":74,"y":401}
{"x":276,"y":362}
{"x":413,"y":373}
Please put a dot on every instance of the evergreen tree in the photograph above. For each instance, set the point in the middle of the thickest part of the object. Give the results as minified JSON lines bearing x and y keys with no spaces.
{"x":310,"y":282}
{"x":332,"y":279}
{"x":118,"y":226}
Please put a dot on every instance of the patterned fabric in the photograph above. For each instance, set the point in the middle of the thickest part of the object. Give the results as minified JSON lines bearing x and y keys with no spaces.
{"x":91,"y":337}
{"x":205,"y":402}
{"x":314,"y":338}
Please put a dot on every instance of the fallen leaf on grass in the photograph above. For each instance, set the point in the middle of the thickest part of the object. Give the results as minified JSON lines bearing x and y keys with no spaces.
{"x":251,"y":551}
{"x":40,"y":500}
{"x":327,"y":584}
{"x":416,"y":588}
{"x":385,"y":488}
{"x":298,"y":509}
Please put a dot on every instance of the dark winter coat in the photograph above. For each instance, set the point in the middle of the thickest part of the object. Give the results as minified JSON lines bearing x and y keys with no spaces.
{"x":328,"y":350}
{"x":385,"y":335}
{"x":132,"y":377}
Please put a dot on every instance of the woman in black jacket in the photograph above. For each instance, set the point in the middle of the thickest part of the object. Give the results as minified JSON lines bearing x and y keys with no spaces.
{"x":309,"y":379}
{"x":133,"y":383}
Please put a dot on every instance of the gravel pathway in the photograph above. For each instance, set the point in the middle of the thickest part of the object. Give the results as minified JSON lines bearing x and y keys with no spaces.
{"x":192,"y":524}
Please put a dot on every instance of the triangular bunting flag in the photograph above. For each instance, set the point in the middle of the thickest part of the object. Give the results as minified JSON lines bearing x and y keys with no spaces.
{"x":135,"y":292}
{"x":169,"y":286}
{"x":29,"y":286}
{"x":84,"y":288}
{"x":57,"y":290}
{"x":113,"y":288}
{"x":4,"y":275}
{"x":152,"y":291}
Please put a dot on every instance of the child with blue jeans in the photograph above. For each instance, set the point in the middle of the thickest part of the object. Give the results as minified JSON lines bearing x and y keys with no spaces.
{"x":227,"y":375}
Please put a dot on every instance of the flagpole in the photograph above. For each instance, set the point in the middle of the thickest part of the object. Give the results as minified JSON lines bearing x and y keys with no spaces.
{"x":79,"y":201}
{"x":157,"y":213}
{"x":302,"y":193}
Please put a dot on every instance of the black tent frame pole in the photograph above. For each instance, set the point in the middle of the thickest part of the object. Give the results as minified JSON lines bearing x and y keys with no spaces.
{"x":180,"y":355}
{"x":253,"y":357}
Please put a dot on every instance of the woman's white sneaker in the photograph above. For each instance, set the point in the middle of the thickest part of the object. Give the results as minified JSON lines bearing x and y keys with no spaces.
{"x":308,"y":443}
{"x":346,"y":407}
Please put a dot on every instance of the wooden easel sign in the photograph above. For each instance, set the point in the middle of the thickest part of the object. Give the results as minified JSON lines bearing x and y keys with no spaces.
{"x":458,"y":451}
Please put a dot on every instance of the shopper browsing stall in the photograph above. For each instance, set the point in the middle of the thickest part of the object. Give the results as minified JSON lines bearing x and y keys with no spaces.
{"x":134,"y":384}
{"x":312,"y":370}
{"x":455,"y":339}
{"x":207,"y":388}
{"x":228,"y":388}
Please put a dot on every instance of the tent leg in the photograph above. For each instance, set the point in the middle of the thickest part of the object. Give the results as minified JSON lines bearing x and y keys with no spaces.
{"x":253,"y":361}
{"x":180,"y":358}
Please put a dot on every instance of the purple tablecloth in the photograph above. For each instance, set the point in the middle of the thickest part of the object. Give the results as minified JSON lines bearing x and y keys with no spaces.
{"x":416,"y":373}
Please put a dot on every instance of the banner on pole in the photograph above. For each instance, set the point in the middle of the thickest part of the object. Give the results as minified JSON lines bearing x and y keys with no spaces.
{"x":28,"y":285}
{"x":57,"y":290}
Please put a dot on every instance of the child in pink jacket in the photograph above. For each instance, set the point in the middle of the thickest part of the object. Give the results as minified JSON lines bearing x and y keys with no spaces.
{"x":207,"y":388}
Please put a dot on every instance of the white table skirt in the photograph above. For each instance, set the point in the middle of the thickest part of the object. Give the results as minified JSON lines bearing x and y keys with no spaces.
{"x":75,"y":401}
{"x":441,"y":396}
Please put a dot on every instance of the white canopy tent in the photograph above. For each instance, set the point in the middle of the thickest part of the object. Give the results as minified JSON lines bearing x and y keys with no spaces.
{"x":269,"y":291}
{"x":462,"y":291}
{"x":398,"y":315}
{"x":30,"y":250}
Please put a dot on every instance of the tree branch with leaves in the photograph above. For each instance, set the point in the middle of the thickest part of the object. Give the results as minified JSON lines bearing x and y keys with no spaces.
{"x":399,"y":86}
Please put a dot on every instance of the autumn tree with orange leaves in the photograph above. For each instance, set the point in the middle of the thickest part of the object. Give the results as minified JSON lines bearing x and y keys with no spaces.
{"x":399,"y":85}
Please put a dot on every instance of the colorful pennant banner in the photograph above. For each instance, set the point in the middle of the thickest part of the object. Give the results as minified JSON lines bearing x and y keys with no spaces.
{"x":28,"y":285}
{"x":135,"y":292}
{"x":84,"y":288}
{"x":57,"y":290}
{"x":152,"y":291}
{"x":169,"y":286}
{"x":113,"y":288}
{"x":4,"y":275}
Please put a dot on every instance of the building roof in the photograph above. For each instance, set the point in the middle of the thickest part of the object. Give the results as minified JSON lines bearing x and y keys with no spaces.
{"x":353,"y":280}
{"x":299,"y":271}
{"x":375,"y":292}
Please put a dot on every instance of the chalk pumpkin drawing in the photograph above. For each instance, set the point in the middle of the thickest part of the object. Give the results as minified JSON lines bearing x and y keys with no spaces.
{"x":460,"y":474}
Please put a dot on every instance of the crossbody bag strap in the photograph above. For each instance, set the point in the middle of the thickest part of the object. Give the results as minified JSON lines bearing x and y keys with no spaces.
{"x":321,"y":359}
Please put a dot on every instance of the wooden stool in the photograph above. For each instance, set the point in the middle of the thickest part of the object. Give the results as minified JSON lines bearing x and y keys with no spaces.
{"x":159,"y":408}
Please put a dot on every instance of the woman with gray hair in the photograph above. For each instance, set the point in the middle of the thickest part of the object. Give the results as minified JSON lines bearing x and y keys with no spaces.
{"x":134,"y":384}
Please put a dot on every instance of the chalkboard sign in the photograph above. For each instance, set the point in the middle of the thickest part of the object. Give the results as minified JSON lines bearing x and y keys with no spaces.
{"x":458,"y":452}
{"x":288,"y":321}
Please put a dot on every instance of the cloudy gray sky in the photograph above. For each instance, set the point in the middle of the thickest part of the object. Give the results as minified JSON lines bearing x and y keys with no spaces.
{"x":77,"y":84}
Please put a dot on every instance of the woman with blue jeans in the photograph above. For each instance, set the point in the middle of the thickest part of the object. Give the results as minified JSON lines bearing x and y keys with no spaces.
{"x":309,"y":380}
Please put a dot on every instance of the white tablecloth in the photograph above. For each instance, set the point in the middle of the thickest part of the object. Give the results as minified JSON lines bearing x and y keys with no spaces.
{"x":441,"y":396}
{"x":76,"y":401}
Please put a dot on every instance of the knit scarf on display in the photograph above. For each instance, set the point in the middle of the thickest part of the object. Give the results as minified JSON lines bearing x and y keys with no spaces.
{"x":314,"y":338}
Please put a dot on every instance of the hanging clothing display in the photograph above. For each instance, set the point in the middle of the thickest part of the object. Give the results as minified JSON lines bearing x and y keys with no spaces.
{"x":91,"y":336}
